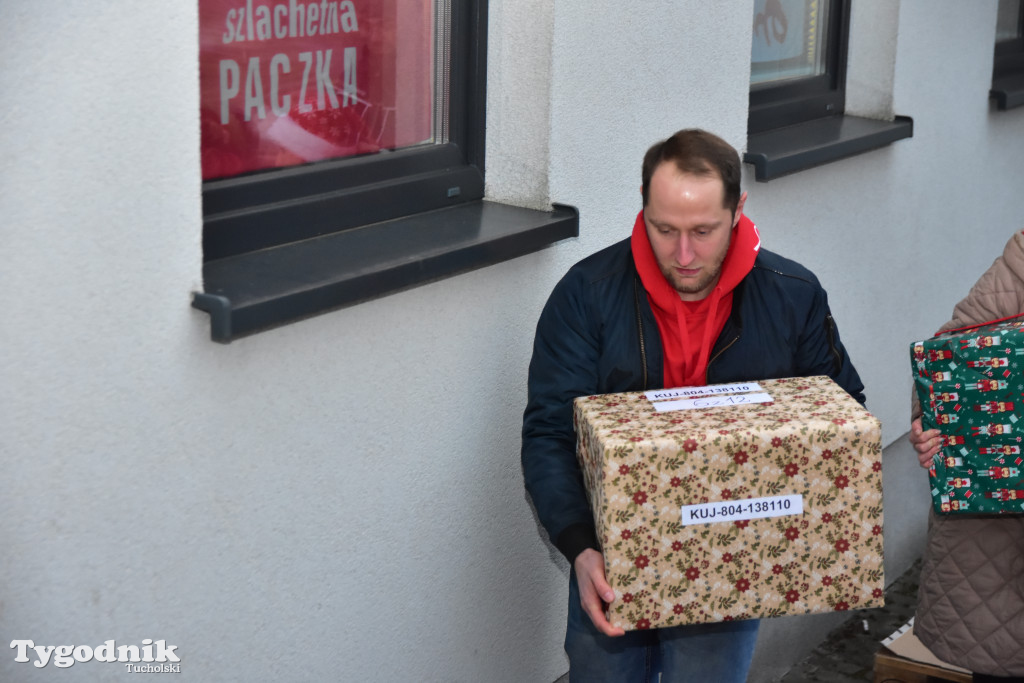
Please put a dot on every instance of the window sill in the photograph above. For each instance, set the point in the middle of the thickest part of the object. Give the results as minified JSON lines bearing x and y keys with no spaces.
{"x":1008,"y":91}
{"x":782,"y":151}
{"x":260,"y":290}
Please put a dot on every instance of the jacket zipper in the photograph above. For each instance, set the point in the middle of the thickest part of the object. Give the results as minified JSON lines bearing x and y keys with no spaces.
{"x":640,"y":330}
{"x":830,"y":330}
{"x":707,"y":372}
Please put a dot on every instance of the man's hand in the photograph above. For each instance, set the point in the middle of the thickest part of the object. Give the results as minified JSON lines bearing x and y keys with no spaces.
{"x":595,"y":592}
{"x":927,"y":444}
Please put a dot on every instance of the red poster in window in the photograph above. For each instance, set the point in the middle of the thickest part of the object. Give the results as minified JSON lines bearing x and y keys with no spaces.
{"x":290,"y":82}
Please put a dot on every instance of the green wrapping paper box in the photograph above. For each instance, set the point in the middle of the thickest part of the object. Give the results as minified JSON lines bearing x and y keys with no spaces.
{"x":970,"y":383}
{"x":740,"y":501}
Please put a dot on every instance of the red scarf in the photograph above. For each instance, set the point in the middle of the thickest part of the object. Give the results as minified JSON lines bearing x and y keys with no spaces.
{"x":689,"y":328}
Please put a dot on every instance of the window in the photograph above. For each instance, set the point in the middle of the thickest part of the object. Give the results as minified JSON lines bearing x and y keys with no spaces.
{"x":797,"y":90}
{"x":797,"y":61}
{"x":1008,"y":67}
{"x":342,"y":155}
{"x":344,"y":96}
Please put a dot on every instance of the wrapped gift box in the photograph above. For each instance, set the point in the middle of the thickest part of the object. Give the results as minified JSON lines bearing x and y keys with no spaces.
{"x":971,"y":385}
{"x":734,"y":501}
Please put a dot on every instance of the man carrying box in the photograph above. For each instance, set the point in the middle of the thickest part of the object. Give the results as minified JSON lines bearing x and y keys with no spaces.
{"x":689,"y":299}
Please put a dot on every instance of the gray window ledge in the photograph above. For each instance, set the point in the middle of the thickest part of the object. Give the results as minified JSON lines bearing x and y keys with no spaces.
{"x":1008,"y":91}
{"x":782,"y":151}
{"x":263,"y":289}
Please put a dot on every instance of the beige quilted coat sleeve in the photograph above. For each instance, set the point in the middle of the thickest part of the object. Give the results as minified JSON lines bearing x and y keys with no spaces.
{"x":998,"y":293}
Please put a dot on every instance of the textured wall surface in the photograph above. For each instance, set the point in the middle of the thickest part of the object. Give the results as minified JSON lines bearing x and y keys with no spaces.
{"x":341,"y":498}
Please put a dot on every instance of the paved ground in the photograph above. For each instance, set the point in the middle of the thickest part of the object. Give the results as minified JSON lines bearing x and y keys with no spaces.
{"x":847,"y":654}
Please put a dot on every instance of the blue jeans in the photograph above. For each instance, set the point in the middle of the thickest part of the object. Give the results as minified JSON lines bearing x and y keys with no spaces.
{"x":719,"y":652}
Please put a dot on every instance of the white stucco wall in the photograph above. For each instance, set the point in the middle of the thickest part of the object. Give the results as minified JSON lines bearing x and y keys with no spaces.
{"x":340,"y":499}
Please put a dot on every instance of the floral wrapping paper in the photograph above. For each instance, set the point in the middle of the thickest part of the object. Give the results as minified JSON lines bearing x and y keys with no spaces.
{"x":640,"y":466}
{"x":970,"y":384}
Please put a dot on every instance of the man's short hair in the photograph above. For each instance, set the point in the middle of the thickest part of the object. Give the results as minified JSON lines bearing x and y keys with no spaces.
{"x":700,"y":153}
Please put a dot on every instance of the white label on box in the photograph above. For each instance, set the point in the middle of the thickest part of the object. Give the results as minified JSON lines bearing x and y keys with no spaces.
{"x":691,"y":392}
{"x":747,"y":508}
{"x":711,"y":402}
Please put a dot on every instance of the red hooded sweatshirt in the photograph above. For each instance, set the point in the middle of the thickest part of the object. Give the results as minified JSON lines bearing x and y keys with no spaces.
{"x":689,"y":328}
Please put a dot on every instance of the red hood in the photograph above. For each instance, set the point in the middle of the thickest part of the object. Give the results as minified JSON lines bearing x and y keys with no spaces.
{"x":670,"y":311}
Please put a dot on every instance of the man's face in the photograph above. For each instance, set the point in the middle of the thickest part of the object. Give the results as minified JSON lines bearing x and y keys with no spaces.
{"x":689,"y":228}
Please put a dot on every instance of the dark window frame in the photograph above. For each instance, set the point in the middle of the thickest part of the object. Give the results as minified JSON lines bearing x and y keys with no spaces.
{"x":1008,"y":69}
{"x":801,"y":124}
{"x":1009,"y":52}
{"x":283,"y":245}
{"x":272,"y":207}
{"x":803,"y":99}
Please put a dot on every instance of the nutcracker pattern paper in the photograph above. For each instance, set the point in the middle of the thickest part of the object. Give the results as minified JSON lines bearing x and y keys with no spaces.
{"x":971,"y":386}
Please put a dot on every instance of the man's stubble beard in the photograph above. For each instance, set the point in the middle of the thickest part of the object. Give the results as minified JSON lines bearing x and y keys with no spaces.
{"x":691,"y":287}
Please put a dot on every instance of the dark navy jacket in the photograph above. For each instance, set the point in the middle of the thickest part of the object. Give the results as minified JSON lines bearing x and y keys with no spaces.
{"x":597,"y":335}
